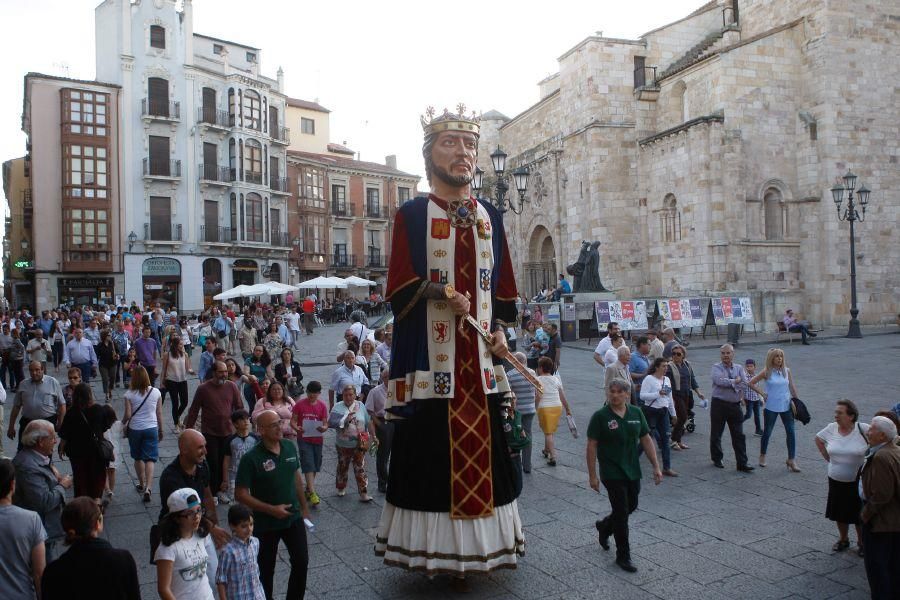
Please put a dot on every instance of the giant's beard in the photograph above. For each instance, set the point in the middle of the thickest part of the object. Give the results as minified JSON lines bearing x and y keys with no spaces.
{"x":446,"y":177}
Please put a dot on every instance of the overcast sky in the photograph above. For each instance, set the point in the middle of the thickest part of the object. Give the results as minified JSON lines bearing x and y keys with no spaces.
{"x":376,"y":65}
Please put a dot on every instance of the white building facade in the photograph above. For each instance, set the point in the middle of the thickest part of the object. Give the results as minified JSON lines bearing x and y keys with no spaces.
{"x":205,"y":197}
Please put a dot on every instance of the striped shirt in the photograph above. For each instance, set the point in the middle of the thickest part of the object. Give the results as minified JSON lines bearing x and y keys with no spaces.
{"x":523,"y":390}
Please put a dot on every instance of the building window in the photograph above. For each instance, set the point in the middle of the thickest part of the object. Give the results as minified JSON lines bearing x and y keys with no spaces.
{"x":774,"y":214}
{"x":85,"y":113}
{"x":312,"y":187}
{"x":403,"y":194}
{"x":253,"y":162}
{"x":252,"y":110}
{"x":373,"y":202}
{"x":158,"y":97}
{"x":251,"y":57}
{"x":307,"y":126}
{"x":254,"y":211}
{"x":218,"y":49}
{"x":338,"y":199}
{"x":157,"y":37}
{"x":670,"y":220}
{"x":233,"y":221}
{"x":86,"y":169}
{"x":160,"y":226}
{"x":315,"y":234}
{"x":86,"y":234}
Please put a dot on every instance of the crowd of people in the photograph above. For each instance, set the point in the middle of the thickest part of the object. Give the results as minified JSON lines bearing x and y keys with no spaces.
{"x":252,"y":437}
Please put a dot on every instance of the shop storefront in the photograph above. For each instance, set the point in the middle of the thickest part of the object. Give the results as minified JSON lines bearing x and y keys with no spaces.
{"x":85,"y":290}
{"x":243,"y":272}
{"x":161,"y":278}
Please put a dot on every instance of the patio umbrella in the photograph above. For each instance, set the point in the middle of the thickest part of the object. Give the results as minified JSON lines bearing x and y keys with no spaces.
{"x":322,"y":283}
{"x":359,"y":281}
{"x":235,"y":292}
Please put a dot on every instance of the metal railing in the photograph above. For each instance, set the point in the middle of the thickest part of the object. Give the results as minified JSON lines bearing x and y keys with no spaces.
{"x":217,"y":235}
{"x":279,"y":184}
{"x":373,"y":210}
{"x":211,"y":116}
{"x":215,"y":173}
{"x":162,"y":233}
{"x":161,"y":110}
{"x":645,"y":77}
{"x":162,"y":168}
{"x":280,"y":134}
{"x":280,"y":239}
{"x":253,"y":177}
{"x":341,"y":209}
{"x":376,"y":260}
{"x":342,"y":260}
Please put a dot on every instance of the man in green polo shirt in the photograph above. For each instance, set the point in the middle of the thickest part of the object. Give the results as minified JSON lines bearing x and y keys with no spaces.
{"x":613,"y":436}
{"x":269,"y":483}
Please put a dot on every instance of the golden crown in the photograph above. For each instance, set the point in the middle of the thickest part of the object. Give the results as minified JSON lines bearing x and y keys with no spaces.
{"x":448,"y":121}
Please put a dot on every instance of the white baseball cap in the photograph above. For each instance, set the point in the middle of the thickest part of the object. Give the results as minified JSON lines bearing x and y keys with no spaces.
{"x":183,"y":499}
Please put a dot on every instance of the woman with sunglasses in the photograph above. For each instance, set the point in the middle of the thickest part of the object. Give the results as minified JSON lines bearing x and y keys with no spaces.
{"x":182,"y":557}
{"x":684,"y":386}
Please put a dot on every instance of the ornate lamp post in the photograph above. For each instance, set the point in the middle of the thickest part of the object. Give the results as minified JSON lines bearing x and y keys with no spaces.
{"x":501,"y":187}
{"x":851,"y":214}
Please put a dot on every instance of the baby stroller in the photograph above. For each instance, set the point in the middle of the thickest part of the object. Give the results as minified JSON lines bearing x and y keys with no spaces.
{"x":689,"y":425}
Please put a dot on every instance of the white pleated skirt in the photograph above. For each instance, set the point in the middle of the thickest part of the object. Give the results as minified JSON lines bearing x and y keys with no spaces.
{"x":434,"y":543}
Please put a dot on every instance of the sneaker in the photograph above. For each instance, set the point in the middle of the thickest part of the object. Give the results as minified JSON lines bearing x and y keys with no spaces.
{"x":342,"y":493}
{"x":758,"y":433}
{"x":224,"y":498}
{"x":314,"y":499}
{"x":139,"y":488}
{"x":147,"y":495}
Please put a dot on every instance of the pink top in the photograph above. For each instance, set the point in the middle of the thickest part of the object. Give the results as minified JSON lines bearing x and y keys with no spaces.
{"x":284,"y":411}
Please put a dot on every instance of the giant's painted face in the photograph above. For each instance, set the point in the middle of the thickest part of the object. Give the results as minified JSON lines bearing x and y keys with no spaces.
{"x":453,"y":157}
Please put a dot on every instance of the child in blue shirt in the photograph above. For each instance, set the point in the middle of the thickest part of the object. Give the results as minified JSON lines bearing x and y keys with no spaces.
{"x":237,"y":577}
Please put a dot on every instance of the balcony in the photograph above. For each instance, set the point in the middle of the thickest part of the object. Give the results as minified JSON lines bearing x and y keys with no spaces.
{"x":216,"y":235}
{"x":280,"y":239}
{"x":215,"y":175}
{"x":253,"y":177}
{"x":213,"y":119}
{"x":342,"y":261}
{"x":162,"y":232}
{"x":279,"y":185}
{"x":153,"y":110}
{"x":168,"y":170}
{"x":375,"y":211}
{"x":280,"y":135}
{"x":376,"y":260}
{"x":342,"y":209}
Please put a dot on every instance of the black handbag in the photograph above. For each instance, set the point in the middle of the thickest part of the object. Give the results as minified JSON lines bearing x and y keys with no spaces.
{"x":102,"y":446}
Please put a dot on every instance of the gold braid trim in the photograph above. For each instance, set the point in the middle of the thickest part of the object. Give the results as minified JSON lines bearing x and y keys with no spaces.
{"x":416,"y":297}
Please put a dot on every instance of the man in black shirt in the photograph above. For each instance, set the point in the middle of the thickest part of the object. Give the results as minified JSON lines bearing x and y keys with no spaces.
{"x":554,"y":346}
{"x":189,"y":470}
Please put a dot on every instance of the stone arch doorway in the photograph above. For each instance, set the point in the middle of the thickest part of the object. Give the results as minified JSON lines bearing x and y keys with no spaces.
{"x":540,"y":268}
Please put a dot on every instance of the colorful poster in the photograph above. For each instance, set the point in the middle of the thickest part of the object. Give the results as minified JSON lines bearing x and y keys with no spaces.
{"x":732,"y":310}
{"x":680,"y":312}
{"x":629,"y":314}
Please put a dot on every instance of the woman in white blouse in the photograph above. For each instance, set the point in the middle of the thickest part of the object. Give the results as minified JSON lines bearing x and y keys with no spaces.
{"x":843,"y":444}
{"x":659,"y":409}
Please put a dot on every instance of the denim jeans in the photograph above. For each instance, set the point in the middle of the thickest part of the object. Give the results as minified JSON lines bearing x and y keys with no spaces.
{"x":788,"y":419}
{"x":753,"y":408}
{"x":658,"y":421}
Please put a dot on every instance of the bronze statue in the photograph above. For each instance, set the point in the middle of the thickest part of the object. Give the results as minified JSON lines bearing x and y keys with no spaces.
{"x":585,"y":271}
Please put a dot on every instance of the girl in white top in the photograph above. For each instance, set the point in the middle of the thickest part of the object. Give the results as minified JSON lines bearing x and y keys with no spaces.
{"x":142,"y":420}
{"x":182,"y":560}
{"x":549,"y":405}
{"x":656,"y":389}
{"x":843,"y":444}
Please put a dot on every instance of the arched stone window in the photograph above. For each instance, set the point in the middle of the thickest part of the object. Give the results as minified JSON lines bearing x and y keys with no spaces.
{"x":773,"y":210}
{"x":670,"y":219}
{"x":212,"y":279}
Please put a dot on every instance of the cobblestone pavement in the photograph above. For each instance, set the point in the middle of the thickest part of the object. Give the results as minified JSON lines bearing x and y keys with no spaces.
{"x":709,"y":533}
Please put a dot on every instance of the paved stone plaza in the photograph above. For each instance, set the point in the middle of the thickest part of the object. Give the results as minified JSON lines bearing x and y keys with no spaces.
{"x":709,"y":533}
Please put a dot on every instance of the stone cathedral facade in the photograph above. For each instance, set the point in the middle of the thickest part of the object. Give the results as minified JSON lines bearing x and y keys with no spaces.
{"x":702,"y":155}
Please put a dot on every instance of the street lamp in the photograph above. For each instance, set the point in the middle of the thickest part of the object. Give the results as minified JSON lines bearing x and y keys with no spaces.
{"x":851,"y":214}
{"x":501,"y":187}
{"x":132,"y":238}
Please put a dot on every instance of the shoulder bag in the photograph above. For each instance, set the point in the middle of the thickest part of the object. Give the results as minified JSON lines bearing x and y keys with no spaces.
{"x":102,"y":446}
{"x":127,"y":430}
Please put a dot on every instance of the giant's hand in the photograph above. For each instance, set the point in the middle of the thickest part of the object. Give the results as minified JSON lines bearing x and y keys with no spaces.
{"x":459,"y":304}
{"x":498,"y":344}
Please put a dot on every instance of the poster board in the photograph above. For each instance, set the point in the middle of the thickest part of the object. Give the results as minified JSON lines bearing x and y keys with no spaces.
{"x":629,"y":314}
{"x":681,"y":312}
{"x":732,"y":309}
